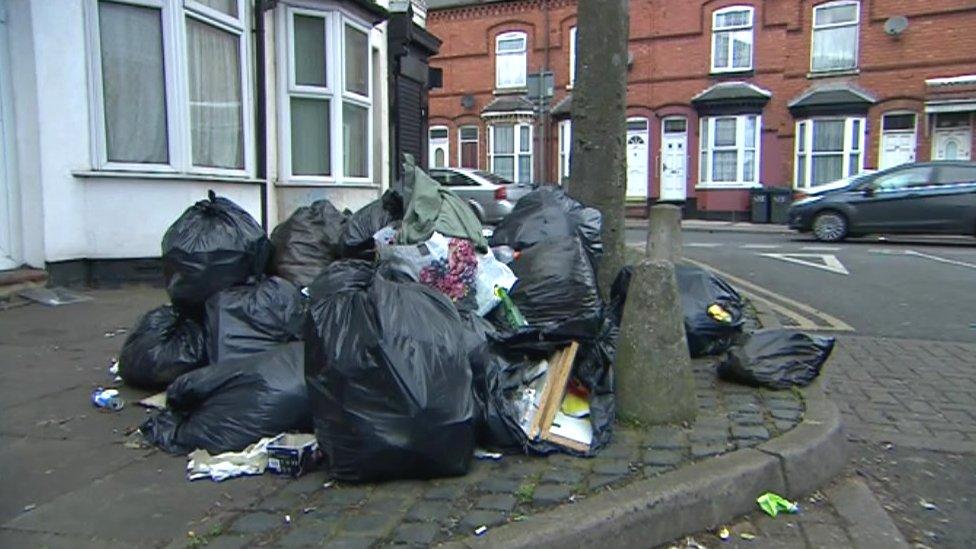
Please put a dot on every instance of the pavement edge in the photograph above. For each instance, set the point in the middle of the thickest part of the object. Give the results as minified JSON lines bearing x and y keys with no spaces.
{"x":694,"y":498}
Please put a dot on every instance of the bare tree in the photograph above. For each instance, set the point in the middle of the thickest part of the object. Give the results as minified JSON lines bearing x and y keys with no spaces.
{"x":598,"y":165}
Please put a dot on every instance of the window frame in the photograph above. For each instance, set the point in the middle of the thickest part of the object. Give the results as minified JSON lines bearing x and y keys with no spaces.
{"x":732,"y":31}
{"x":516,"y":149}
{"x":524,"y":53}
{"x":805,"y":126}
{"x":857,"y":35}
{"x":462,"y":141}
{"x":336,"y":21}
{"x":572,"y":56}
{"x":706,"y":131}
{"x":175,"y":63}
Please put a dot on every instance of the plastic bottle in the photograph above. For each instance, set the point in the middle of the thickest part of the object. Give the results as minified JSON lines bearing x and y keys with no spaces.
{"x":512,"y":314}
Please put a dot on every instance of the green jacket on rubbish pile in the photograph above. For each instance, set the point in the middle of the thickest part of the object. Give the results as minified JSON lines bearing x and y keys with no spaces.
{"x":432,"y":207}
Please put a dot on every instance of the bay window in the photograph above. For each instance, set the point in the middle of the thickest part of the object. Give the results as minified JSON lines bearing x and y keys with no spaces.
{"x":730,"y":150}
{"x":835,"y":36}
{"x":732,"y":39}
{"x":510,"y":60}
{"x":169,"y":86}
{"x":510,"y":151}
{"x":326,"y":100}
{"x":828,"y":149}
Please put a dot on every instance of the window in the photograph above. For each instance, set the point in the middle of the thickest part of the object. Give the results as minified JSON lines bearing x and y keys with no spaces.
{"x":835,"y":36}
{"x":949,"y":175}
{"x":565,"y":148}
{"x":170,"y":87}
{"x":903,"y":179}
{"x":510,"y":60}
{"x":897,"y":139}
{"x":828,"y":149}
{"x":572,"y":56}
{"x":438,"y":147}
{"x":732,"y":39}
{"x":325,"y":99}
{"x":468,"y":146}
{"x":730,"y":150}
{"x":510,"y":151}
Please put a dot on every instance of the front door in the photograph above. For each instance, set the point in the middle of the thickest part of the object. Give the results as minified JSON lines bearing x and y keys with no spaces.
{"x":954,"y":144}
{"x":9,"y":227}
{"x":637,"y":158}
{"x":897,"y":148}
{"x":674,"y":159}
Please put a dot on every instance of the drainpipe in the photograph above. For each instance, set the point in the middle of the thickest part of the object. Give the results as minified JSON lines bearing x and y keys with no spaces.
{"x":544,"y":103}
{"x":261,"y":109}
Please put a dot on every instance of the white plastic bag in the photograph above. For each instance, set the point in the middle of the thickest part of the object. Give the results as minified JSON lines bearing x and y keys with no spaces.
{"x":491,"y":273}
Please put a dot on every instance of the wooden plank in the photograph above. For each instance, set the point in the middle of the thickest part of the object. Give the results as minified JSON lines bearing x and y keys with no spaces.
{"x":557,"y":375}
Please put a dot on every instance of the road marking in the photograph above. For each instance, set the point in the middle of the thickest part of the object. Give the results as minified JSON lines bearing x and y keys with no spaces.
{"x":913,"y":253}
{"x":759,"y":246}
{"x":822,"y":248}
{"x":802,"y":314}
{"x":830,"y":262}
{"x":701,"y":245}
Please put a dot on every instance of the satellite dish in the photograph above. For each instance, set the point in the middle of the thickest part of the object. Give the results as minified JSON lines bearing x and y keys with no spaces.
{"x":467,"y":101}
{"x":896,"y":25}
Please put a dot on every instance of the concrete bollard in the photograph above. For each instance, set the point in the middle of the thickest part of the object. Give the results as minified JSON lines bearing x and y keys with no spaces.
{"x":664,"y":233}
{"x":655,"y":383}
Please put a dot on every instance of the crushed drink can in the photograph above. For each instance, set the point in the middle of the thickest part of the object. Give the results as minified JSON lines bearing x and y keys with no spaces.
{"x":107,"y":398}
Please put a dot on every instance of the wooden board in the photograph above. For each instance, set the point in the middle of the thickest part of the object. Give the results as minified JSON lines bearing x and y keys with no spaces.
{"x":557,"y":376}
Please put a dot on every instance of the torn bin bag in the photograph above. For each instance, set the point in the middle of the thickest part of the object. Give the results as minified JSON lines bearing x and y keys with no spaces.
{"x":388,"y":377}
{"x":712,"y":310}
{"x":214,"y":245}
{"x":253,"y":318}
{"x":779,"y":359}
{"x":557,"y":288}
{"x":357,"y":237}
{"x":548,"y":212}
{"x":227,"y":406}
{"x":163,"y":346}
{"x":307,"y":242}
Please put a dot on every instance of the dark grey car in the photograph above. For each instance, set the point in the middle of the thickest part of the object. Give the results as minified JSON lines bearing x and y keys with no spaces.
{"x":492,"y":197}
{"x":922,"y":197}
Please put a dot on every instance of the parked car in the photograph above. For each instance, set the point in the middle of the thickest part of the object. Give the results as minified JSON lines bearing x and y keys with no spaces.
{"x":492,"y":197}
{"x":921,"y":197}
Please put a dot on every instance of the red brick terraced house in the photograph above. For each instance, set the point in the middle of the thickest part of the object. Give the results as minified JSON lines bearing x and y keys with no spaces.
{"x":723,"y":96}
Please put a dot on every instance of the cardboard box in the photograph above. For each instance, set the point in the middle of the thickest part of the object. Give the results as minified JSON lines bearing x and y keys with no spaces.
{"x":293,"y":454}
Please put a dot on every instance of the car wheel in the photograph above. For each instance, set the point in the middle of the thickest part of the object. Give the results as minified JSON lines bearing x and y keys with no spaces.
{"x":830,"y":226}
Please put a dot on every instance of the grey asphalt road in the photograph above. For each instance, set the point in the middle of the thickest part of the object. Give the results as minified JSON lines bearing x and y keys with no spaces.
{"x":923,"y":288}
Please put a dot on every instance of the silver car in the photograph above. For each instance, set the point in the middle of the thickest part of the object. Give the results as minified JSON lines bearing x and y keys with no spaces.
{"x":490,"y":196}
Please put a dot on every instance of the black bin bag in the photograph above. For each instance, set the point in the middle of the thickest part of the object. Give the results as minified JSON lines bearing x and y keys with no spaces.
{"x":548,"y":212}
{"x":357,"y":237}
{"x":229,"y":405}
{"x":778,"y":359}
{"x":163,"y":346}
{"x":557,"y":289}
{"x":388,"y":377}
{"x":252,"y":318}
{"x":306,"y":242}
{"x":214,"y":245}
{"x":708,"y":333}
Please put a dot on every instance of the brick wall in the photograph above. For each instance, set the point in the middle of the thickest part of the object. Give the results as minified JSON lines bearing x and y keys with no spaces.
{"x":670,"y":42}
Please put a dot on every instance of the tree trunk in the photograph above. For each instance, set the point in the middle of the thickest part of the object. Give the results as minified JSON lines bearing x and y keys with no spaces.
{"x":598,"y":164}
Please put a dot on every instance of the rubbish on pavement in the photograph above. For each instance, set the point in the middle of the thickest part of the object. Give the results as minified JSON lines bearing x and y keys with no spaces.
{"x":293,"y":454}
{"x":575,"y":405}
{"x":480,"y":530}
{"x":214,"y":245}
{"x":54,"y":297}
{"x":492,"y":275}
{"x":388,"y":377}
{"x":229,"y":405}
{"x":448,"y":265}
{"x":107,"y":398}
{"x":113,"y":368}
{"x":163,"y":346}
{"x":724,"y":534}
{"x":287,"y":519}
{"x":252,"y":460}
{"x":712,"y":310}
{"x":778,"y":359}
{"x":547,"y":422}
{"x":928,"y":506}
{"x":747,"y":536}
{"x":156,"y":401}
{"x":307,"y":241}
{"x":431,"y":207}
{"x":772,"y":504}
{"x":247,"y":319}
{"x":480,"y":453}
{"x":29,"y":507}
{"x":549,"y":213}
{"x":357,"y":236}
{"x":510,"y":311}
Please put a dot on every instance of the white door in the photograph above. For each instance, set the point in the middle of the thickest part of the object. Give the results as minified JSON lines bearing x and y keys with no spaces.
{"x":674,"y":159}
{"x":897,"y":148}
{"x":637,"y":158}
{"x":955,"y":144}
{"x":438,"y":148}
{"x":9,"y":226}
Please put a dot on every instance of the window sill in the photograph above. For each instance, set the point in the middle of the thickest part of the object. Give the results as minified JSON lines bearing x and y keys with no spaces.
{"x":732,"y":73}
{"x":726,"y":186}
{"x":510,"y":91}
{"x":165,"y":176}
{"x":325,"y":184}
{"x":830,"y":74}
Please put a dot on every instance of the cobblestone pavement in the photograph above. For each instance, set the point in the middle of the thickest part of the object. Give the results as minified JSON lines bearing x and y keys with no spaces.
{"x":511,"y":489}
